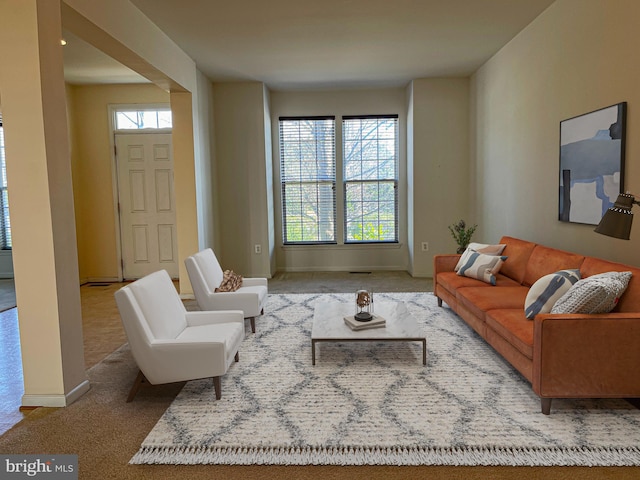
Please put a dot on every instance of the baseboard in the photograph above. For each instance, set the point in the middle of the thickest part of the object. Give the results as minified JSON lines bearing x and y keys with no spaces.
{"x":56,"y":400}
{"x":102,"y":280}
{"x":342,"y":268}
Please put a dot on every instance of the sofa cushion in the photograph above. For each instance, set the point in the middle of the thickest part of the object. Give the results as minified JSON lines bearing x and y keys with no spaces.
{"x":596,"y":294}
{"x":545,"y":260}
{"x":513,"y":326}
{"x":630,"y":301}
{"x":479,"y":300}
{"x":451,"y":281}
{"x":479,"y":266}
{"x":547,"y":290}
{"x":518,"y":252}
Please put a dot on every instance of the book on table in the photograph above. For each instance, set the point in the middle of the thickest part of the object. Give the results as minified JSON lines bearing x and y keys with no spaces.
{"x":376,"y":322}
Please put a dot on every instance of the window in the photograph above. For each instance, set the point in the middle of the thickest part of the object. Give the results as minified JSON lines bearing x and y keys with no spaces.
{"x":308,"y":178}
{"x":5,"y":224}
{"x":141,"y":119}
{"x":370,"y":153}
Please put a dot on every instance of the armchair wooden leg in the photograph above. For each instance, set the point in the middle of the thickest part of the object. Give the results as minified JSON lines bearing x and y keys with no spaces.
{"x":217,"y":386}
{"x":140,"y":379}
{"x":253,"y":324}
{"x":546,"y":405}
{"x":237,"y":357}
{"x":262,"y":312}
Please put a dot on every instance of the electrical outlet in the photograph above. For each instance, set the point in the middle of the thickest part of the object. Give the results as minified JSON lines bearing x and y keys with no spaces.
{"x":257,"y":248}
{"x":425,"y":246}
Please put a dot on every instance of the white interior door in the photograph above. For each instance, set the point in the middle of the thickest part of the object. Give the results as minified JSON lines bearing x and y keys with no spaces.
{"x":147,"y":204}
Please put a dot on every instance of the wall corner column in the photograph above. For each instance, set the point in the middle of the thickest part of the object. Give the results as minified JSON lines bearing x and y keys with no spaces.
{"x":45,"y":257}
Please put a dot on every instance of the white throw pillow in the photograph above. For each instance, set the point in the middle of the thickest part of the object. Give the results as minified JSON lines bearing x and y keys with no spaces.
{"x":546,"y":291}
{"x":595,"y":294}
{"x":481,"y":267}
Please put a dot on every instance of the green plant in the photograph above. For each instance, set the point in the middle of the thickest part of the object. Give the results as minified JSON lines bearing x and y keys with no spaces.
{"x":462,"y":234}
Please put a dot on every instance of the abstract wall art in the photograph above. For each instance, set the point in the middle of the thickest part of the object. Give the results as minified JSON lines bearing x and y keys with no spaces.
{"x":591,"y":163}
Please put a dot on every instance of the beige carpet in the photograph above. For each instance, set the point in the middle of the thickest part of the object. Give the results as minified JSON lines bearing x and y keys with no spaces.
{"x":105,"y":432}
{"x":7,"y":294}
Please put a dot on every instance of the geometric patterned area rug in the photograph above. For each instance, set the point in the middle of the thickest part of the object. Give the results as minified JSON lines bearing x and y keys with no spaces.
{"x":377,"y":404}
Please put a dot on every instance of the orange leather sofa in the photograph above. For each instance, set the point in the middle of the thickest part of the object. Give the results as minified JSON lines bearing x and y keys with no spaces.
{"x":562,"y":355}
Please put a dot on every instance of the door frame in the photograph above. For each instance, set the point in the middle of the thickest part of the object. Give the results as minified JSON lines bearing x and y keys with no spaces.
{"x":113,"y":108}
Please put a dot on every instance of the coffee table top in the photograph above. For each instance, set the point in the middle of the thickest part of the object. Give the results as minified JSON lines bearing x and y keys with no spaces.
{"x":328,"y":322}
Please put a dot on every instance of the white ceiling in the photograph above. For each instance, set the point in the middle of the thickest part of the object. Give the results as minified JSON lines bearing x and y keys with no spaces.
{"x":292,"y":44}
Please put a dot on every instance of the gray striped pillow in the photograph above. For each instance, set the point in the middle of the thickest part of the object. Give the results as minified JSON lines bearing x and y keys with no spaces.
{"x":481,"y":267}
{"x":546,"y":291}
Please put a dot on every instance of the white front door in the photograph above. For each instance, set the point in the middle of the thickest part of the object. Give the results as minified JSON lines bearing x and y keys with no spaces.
{"x":147,"y":204}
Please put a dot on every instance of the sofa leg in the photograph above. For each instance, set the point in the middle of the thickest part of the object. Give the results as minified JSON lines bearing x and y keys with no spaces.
{"x":237,"y":357}
{"x":253,"y":324}
{"x":545,"y":403}
{"x":140,"y":379}
{"x":217,"y":386}
{"x":439,"y":301}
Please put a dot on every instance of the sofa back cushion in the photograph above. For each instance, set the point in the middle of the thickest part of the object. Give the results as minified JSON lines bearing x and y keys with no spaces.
{"x":517,"y":253}
{"x":630,"y":300}
{"x":546,"y":260}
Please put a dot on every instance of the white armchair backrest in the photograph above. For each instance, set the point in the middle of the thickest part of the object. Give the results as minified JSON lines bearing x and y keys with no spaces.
{"x":208,"y":268}
{"x":160,"y":305}
{"x":137,"y":329}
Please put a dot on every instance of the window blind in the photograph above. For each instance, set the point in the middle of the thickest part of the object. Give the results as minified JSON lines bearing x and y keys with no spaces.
{"x":370,"y":163}
{"x":5,"y":224}
{"x":308,"y":179}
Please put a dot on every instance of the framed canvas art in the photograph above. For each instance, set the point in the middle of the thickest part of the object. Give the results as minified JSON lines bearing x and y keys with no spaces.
{"x":591,"y":163}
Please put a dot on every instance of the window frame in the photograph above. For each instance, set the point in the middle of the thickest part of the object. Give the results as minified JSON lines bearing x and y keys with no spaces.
{"x":318,"y":182}
{"x":6,"y":243}
{"x":385,"y":180}
{"x":115,"y":109}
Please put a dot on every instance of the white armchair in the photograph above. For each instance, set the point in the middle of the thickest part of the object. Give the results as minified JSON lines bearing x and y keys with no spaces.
{"x":170,"y":344}
{"x":206,"y":275}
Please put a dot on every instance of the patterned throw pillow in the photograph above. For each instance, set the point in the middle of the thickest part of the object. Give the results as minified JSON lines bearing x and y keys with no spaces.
{"x":595,"y":294}
{"x":480,"y":248}
{"x":481,"y":267}
{"x":231,"y":282}
{"x":547,"y":290}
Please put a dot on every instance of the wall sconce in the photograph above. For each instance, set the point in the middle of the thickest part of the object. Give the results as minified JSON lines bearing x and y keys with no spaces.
{"x":616,"y":221}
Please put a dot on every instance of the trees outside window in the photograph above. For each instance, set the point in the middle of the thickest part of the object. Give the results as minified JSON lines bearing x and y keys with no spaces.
{"x":308,"y":179}
{"x":369,"y":166}
{"x":370,"y":163}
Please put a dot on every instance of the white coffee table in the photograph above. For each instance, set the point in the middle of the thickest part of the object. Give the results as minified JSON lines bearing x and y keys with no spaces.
{"x":329,"y":326}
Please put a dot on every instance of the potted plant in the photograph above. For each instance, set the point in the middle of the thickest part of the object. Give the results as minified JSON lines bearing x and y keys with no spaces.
{"x":462,"y":234}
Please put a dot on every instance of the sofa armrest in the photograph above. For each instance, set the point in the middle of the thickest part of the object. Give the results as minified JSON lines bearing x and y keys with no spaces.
{"x":586,"y":356}
{"x":444,"y":263}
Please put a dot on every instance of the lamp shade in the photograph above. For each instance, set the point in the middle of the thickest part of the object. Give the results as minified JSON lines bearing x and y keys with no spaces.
{"x":616,"y":221}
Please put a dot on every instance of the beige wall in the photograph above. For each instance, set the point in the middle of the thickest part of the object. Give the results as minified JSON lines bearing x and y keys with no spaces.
{"x":42,"y":207}
{"x":578,"y":56}
{"x":208,"y":229}
{"x":439,"y":166}
{"x":341,"y":257}
{"x":119,"y":29}
{"x":40,"y":170}
{"x":241,"y":161}
{"x":93,"y":180}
